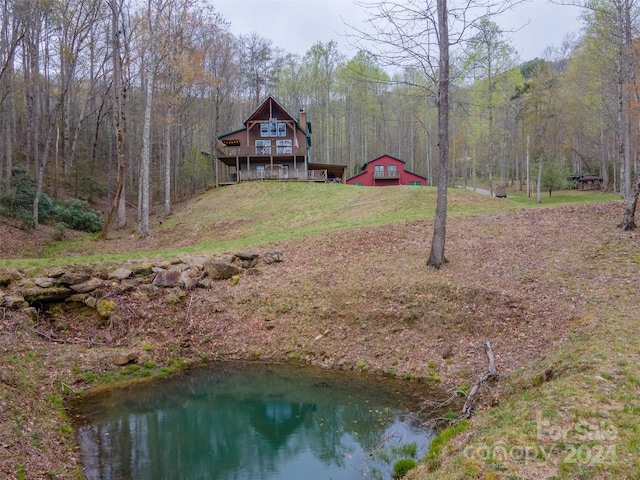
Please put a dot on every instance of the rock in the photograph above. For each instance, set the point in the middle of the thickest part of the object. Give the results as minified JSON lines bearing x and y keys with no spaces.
{"x":8,"y":276}
{"x":245,"y":259}
{"x":91,"y":302}
{"x":77,"y":297}
{"x":44,"y":295}
{"x":142,"y":270}
{"x":126,"y":359}
{"x":43,"y":282}
{"x":190,"y":282}
{"x":87,"y":286}
{"x":73,"y":278}
{"x":272,"y":256}
{"x":198,"y":262}
{"x":55,"y":272}
{"x":252,"y":272}
{"x":128,"y":284}
{"x":14,"y":301}
{"x":193,"y":272}
{"x":120,"y":274}
{"x":106,"y":308}
{"x":247,"y":255}
{"x":221,"y":270}
{"x":168,"y":278}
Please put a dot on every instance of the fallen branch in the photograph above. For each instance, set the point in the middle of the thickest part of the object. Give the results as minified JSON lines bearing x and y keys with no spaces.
{"x":54,"y":339}
{"x":383,"y":442}
{"x":490,"y":374}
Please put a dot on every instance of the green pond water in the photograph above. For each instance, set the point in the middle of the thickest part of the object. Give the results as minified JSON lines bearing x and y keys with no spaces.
{"x":253,"y":421}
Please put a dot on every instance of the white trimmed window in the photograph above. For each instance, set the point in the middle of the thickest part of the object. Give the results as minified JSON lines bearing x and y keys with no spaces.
{"x":263,"y":147}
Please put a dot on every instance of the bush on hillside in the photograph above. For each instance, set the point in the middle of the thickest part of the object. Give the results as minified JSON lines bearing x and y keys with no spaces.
{"x":17,"y":203}
{"x":76,"y":214}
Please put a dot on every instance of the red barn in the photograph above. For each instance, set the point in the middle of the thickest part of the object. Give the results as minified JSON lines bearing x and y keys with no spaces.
{"x":383,"y":171}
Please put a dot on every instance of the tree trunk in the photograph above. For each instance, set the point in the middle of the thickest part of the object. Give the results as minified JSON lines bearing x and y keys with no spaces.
{"x":539,"y":183}
{"x":167,"y":164}
{"x":628,"y":218}
{"x":143,"y":207}
{"x":119,"y":124}
{"x":436,"y":256}
{"x":40,"y":175}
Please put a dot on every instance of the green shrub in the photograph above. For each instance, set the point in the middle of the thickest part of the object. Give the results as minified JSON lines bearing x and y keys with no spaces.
{"x":76,"y":214}
{"x":17,"y":203}
{"x":402,"y":467}
{"x":406,"y":450}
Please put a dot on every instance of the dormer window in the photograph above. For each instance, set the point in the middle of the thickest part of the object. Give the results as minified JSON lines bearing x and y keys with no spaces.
{"x":273,"y":128}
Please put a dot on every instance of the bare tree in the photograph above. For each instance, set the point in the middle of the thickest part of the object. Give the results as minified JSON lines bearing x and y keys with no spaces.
{"x":258,"y":62}
{"x":12,"y":33}
{"x":118,"y":93}
{"x":419,"y":34}
{"x":154,"y":13}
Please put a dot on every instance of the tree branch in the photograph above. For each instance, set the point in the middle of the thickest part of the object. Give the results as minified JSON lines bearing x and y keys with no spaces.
{"x":490,"y":374}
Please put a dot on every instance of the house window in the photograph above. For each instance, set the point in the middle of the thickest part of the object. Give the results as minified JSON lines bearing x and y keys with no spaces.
{"x":392,"y":170}
{"x":263,"y":147}
{"x":378,"y":171}
{"x":283,"y":147}
{"x":273,"y":128}
{"x":260,"y":170}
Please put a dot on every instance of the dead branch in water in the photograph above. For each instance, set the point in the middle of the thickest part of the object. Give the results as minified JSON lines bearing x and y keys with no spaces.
{"x":490,"y":374}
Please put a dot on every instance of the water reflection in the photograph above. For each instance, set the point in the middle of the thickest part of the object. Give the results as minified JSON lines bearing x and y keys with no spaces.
{"x":249,"y":421}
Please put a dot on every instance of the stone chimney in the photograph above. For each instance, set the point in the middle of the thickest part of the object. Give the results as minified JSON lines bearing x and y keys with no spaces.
{"x":302,"y":120}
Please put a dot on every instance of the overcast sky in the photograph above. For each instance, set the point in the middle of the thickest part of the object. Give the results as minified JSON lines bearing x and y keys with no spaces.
{"x":295,"y":25}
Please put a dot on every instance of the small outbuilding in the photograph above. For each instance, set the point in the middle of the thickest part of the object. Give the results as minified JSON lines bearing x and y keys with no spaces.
{"x":384,"y":171}
{"x":589,"y":182}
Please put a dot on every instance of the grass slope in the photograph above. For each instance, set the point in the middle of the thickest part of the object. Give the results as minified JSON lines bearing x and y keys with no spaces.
{"x":261,"y":212}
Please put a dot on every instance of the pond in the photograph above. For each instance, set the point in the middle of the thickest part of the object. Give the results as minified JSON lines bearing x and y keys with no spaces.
{"x":253,"y":421}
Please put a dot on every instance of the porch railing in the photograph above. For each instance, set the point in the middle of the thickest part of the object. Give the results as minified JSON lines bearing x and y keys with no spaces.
{"x":282,"y":174}
{"x":386,"y":174}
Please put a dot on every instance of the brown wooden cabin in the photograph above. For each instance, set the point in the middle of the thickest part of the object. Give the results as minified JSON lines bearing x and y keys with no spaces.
{"x":589,"y":182}
{"x":272,"y":145}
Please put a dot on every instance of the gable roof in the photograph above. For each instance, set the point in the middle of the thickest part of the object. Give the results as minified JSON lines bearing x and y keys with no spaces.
{"x":270,"y":105}
{"x":266,"y":111}
{"x":364,"y":165}
{"x":363,"y":170}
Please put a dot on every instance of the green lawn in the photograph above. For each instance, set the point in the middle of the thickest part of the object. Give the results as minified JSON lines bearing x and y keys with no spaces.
{"x":255,"y":213}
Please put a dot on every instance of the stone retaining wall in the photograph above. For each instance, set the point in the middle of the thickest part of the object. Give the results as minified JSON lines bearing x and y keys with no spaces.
{"x":85,"y":284}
